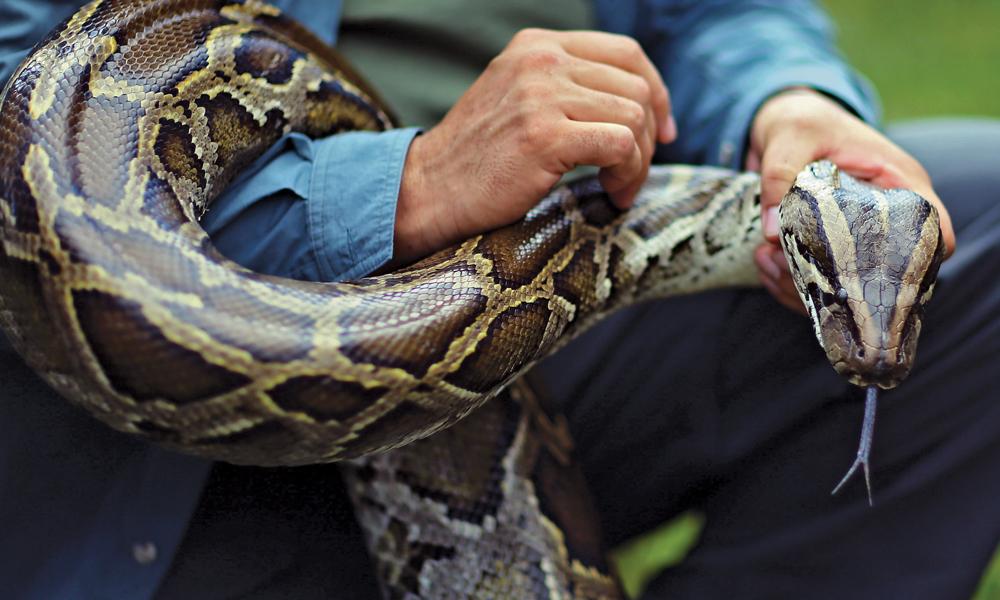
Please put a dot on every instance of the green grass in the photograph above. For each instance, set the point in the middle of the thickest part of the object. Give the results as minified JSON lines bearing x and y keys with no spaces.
{"x":642,"y":558}
{"x":926,"y":58}
{"x":989,"y":587}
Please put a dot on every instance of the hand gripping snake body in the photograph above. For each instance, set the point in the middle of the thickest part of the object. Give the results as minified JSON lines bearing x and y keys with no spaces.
{"x":120,"y":128}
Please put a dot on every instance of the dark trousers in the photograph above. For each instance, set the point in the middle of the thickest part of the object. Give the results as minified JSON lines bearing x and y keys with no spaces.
{"x":724,"y":403}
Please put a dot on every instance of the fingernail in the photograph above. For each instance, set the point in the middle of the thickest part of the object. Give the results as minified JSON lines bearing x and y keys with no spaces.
{"x":778,"y":260}
{"x":669,"y":131}
{"x":771,"y":222}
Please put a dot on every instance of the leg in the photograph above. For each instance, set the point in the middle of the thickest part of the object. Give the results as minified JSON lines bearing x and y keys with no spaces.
{"x":734,"y":410}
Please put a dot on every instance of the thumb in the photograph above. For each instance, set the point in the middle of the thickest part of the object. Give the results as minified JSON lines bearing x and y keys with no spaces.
{"x":780,"y":165}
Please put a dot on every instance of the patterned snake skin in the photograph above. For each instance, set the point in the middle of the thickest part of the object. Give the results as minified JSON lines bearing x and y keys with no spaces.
{"x":130,"y":118}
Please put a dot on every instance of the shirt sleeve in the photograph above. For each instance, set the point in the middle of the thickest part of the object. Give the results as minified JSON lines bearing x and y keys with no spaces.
{"x":721,"y":59}
{"x":319,"y":210}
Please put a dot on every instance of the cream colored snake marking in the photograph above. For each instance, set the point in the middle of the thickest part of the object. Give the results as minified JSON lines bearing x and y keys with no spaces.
{"x":121,"y":127}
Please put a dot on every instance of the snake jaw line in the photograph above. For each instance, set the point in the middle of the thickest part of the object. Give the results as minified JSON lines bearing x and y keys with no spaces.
{"x":865,"y":447}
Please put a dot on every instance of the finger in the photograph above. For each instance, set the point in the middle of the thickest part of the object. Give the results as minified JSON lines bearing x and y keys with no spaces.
{"x":624,"y":53}
{"x":600,"y":107}
{"x":762,"y":258}
{"x":600,"y":77}
{"x":780,"y":165}
{"x":947,"y":229}
{"x":608,"y":145}
{"x":649,"y":145}
{"x":626,"y":197}
{"x":775,"y":274}
{"x":622,"y":181}
{"x":771,"y":259}
{"x":784,"y":281}
{"x":613,"y":80}
{"x":623,"y":199}
{"x":792,"y":303}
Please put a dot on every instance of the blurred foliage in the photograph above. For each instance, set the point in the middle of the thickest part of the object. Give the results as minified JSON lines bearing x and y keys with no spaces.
{"x":989,"y":588}
{"x":640,"y":559}
{"x":926,"y":58}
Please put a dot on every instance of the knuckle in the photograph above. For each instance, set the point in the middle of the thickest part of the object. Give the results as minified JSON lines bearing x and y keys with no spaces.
{"x":620,"y":142}
{"x":631,"y":48}
{"x":781,"y":172}
{"x":498,"y":64}
{"x":634,"y":114}
{"x":539,"y":59}
{"x":534,"y":134}
{"x":527,"y":93}
{"x":913,"y":166}
{"x":526,"y":35}
{"x":642,"y":91}
{"x":803,"y":121}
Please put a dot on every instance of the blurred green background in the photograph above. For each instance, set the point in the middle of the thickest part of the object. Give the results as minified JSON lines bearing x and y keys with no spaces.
{"x":927,"y":58}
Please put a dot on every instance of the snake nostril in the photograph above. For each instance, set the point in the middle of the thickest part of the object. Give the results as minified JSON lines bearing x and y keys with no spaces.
{"x":882,"y":367}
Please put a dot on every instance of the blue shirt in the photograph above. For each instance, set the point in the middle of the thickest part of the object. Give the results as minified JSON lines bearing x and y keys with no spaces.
{"x":89,"y":513}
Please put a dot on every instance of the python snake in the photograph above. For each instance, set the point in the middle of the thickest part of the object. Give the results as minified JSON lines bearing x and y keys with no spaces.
{"x":119,"y":130}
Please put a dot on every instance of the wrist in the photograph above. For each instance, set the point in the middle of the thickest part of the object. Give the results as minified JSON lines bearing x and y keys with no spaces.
{"x":797,"y":107}
{"x":419,"y":229}
{"x":411,"y":209}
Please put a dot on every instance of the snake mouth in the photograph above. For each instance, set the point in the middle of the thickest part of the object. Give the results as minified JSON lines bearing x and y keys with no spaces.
{"x":881,"y":372}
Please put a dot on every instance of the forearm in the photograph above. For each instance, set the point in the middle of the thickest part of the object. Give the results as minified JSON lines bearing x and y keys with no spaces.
{"x":723,"y":59}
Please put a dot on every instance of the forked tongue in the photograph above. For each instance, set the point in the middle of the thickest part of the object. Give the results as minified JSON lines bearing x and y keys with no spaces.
{"x":865,"y":447}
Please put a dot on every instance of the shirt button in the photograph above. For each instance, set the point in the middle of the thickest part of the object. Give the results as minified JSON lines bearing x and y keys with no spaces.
{"x":144,"y":553}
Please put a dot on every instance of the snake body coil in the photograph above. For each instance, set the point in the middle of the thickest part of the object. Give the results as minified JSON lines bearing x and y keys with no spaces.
{"x":121,"y":127}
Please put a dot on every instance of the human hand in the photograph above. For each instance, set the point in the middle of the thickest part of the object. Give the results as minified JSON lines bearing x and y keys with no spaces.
{"x":549,"y":102}
{"x":798,"y":126}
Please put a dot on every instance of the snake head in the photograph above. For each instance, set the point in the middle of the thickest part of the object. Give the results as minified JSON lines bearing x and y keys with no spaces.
{"x":864,"y":261}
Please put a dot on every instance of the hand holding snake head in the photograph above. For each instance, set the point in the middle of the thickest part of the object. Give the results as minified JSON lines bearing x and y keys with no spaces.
{"x":798,"y":126}
{"x":864,"y":261}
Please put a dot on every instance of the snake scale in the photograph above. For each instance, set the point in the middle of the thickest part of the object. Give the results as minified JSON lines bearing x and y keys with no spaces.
{"x":121,"y":127}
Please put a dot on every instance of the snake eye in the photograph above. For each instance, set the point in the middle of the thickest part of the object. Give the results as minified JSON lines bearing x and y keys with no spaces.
{"x":839,"y":298}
